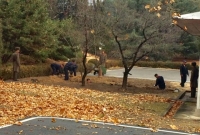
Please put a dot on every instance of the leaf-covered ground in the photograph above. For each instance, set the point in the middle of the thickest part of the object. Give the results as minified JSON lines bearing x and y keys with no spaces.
{"x":100,"y":100}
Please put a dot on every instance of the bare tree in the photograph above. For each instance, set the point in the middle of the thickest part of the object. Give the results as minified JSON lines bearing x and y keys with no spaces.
{"x":135,"y":33}
{"x":88,"y":22}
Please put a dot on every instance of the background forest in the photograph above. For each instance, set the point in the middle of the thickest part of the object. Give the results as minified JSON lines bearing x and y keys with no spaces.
{"x":60,"y":29}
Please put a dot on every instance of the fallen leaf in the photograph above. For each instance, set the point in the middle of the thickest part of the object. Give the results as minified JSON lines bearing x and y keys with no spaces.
{"x":53,"y":120}
{"x":18,"y":123}
{"x":174,"y":127}
{"x":20,"y":132}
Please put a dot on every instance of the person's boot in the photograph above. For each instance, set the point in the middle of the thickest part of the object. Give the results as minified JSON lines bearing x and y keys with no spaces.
{"x":66,"y":76}
{"x":100,"y":72}
{"x":15,"y":76}
{"x":193,"y":92}
{"x":71,"y":74}
{"x":182,"y":84}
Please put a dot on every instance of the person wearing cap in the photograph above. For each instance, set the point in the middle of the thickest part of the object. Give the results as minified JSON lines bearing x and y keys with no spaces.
{"x":183,"y":73}
{"x":160,"y":82}
{"x":16,"y":63}
{"x":193,"y":79}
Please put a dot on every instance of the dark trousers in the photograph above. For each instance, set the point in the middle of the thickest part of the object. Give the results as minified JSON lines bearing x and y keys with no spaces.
{"x":67,"y":74}
{"x":193,"y":92}
{"x":15,"y":73}
{"x":183,"y":80}
{"x":162,"y":86}
{"x":71,"y":73}
{"x":55,"y":69}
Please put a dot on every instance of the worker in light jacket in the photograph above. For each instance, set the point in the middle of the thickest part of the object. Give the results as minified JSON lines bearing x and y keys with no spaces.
{"x":16,"y":63}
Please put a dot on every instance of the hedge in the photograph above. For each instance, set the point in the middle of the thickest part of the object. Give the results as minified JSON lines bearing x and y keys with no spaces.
{"x":159,"y":64}
{"x":36,"y":70}
{"x":26,"y":71}
{"x":44,"y":69}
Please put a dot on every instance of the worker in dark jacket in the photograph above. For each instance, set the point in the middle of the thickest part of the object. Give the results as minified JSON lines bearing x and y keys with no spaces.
{"x":194,"y":79}
{"x":56,"y":68}
{"x":183,"y":73}
{"x":160,"y":82}
{"x":70,"y":67}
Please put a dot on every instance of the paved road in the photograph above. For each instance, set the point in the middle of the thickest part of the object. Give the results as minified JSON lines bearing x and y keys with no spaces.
{"x":148,"y":73}
{"x":45,"y":126}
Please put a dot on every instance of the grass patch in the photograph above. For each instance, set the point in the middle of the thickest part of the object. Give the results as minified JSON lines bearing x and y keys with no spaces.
{"x":155,"y":107}
{"x":27,"y":93}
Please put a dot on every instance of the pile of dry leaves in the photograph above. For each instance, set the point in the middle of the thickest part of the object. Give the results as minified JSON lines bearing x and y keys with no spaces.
{"x":97,"y":101}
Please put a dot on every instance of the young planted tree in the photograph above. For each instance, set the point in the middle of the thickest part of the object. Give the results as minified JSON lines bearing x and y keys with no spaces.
{"x":83,"y":19}
{"x":89,"y":23}
{"x":135,"y":32}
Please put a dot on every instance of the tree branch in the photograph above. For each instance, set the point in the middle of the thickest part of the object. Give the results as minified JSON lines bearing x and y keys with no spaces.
{"x":140,"y":57}
{"x":120,"y":49}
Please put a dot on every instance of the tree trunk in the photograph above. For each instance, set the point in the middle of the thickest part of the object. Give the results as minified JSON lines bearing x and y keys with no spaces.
{"x":83,"y":79}
{"x":85,"y":51}
{"x":85,"y":69}
{"x":125,"y":78}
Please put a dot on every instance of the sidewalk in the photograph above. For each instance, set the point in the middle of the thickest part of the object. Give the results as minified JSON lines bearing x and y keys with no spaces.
{"x":188,"y":109}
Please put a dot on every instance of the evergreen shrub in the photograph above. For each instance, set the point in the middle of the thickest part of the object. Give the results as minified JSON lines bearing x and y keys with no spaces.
{"x":160,"y":64}
{"x":26,"y":71}
{"x":94,"y":61}
{"x":78,"y":60}
{"x":90,"y":67}
{"x":27,"y":60}
{"x":114,"y":63}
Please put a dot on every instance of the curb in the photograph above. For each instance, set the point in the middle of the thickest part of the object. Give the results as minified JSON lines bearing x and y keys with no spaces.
{"x":172,"y":103}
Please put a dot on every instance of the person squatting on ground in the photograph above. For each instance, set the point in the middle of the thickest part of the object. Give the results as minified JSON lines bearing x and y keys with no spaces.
{"x":102,"y":62}
{"x":16,"y":63}
{"x":194,"y":79}
{"x":70,"y":67}
{"x":183,"y":73}
{"x":160,"y":82}
{"x":57,"y":68}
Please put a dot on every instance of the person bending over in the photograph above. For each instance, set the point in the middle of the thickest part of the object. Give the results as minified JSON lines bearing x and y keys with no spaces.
{"x":70,"y":67}
{"x":56,"y":68}
{"x":160,"y":82}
